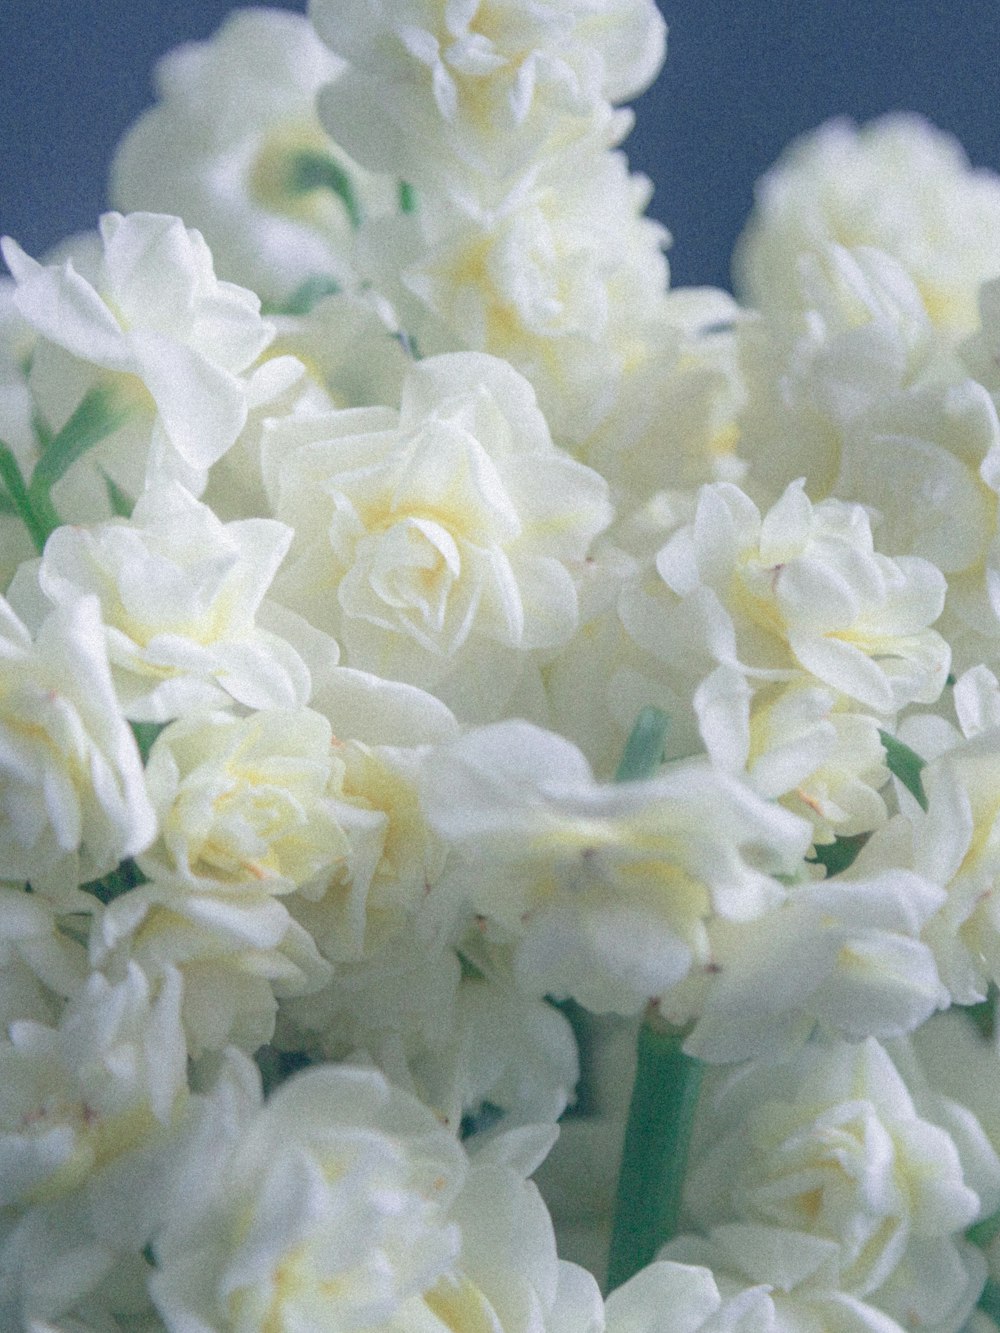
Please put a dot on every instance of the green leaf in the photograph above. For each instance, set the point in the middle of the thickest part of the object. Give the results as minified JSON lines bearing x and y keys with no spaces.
{"x":643,"y":753}
{"x":317,"y":171}
{"x":479,"y":1121}
{"x":275,"y":1066}
{"x":654,"y":1157}
{"x":306,"y":296}
{"x":17,"y":495}
{"x":121,"y":504}
{"x":906,"y":765}
{"x":989,"y":1300}
{"x":100,"y":412}
{"x":127,"y":876}
{"x":983,"y":1014}
{"x":145,"y":734}
{"x":840,"y":853}
{"x":985,"y":1232}
{"x":407,"y":198}
{"x":470,"y":971}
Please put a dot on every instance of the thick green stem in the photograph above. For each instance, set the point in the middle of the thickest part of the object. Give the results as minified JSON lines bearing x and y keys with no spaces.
{"x":654,"y":1158}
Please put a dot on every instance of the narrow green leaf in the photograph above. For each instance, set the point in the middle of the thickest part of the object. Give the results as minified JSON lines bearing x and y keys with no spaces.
{"x":654,"y":1158}
{"x":906,"y":765}
{"x":318,"y":171}
{"x":407,"y":197}
{"x":643,"y":753}
{"x":121,"y":504}
{"x":305,"y":297}
{"x":7,"y":505}
{"x":100,"y":412}
{"x":17,"y":493}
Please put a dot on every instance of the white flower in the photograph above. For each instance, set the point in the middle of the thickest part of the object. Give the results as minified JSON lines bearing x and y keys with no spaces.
{"x":820,"y":379}
{"x":898,"y":184}
{"x":482,"y":89}
{"x":237,"y":955}
{"x":245,"y":802}
{"x":859,"y":395}
{"x":565,"y":281}
{"x":607,"y":891}
{"x":143,"y":314}
{"x":228,"y":145}
{"x":844,"y":955}
{"x":516,"y":1054}
{"x":802,"y":589}
{"x":344,"y":1202}
{"x":696,"y":1303}
{"x":955,"y":843}
{"x":800,"y":744}
{"x":87,"y":1114}
{"x":78,"y":1096}
{"x":391,"y":861}
{"x":40,"y":963}
{"x":179,"y":592}
{"x":798,"y":1272}
{"x":439,"y":546}
{"x":72,"y":798}
{"x":835,"y":1147}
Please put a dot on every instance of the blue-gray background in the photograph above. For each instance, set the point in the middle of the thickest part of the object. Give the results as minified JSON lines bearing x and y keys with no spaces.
{"x":740,"y":81}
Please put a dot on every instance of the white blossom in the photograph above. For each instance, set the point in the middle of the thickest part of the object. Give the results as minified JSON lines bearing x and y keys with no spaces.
{"x":343,"y":1201}
{"x":72,"y":798}
{"x":696,"y":1303}
{"x":836,"y":1147}
{"x":179,"y":592}
{"x":565,"y":281}
{"x":480,"y":89}
{"x":844,"y":955}
{"x":897,"y":184}
{"x":228,"y":146}
{"x":955,"y":842}
{"x":606,"y":891}
{"x":88,"y":1112}
{"x":439,"y":545}
{"x":139,"y":312}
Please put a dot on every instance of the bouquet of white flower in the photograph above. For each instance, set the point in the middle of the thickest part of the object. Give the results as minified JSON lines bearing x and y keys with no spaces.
{"x":458,"y":693}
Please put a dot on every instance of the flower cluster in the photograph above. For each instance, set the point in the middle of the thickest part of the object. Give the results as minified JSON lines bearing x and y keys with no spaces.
{"x":450,"y":678}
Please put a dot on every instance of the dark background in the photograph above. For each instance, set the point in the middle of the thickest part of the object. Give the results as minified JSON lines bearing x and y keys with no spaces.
{"x":741,"y":80}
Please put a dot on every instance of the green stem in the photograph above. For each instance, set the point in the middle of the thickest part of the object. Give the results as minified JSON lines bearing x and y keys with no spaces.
{"x":654,"y":1157}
